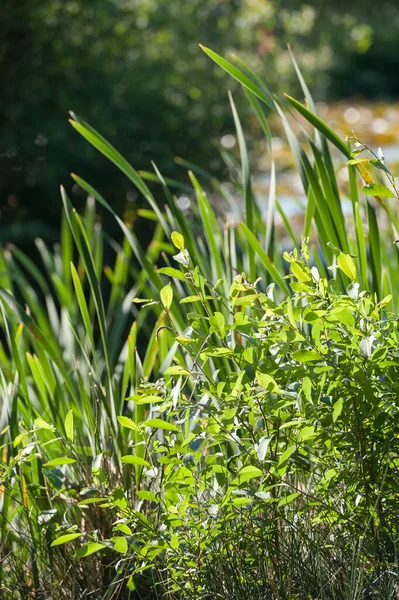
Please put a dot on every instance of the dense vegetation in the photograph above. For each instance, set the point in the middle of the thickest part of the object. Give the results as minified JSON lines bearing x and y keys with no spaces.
{"x":190,"y":418}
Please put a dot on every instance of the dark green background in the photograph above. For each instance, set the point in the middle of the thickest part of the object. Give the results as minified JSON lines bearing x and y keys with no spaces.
{"x":133,"y":69}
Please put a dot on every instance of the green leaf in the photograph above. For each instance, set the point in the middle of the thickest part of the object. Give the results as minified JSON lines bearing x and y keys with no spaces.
{"x":159,"y":424}
{"x":167,"y":296}
{"x":62,"y":460}
{"x":126,"y":422}
{"x":321,"y":126}
{"x":376,"y":189}
{"x":218,"y":323}
{"x":301,"y":272}
{"x":178,"y":240}
{"x":89,"y":548}
{"x":306,"y":356}
{"x":64,"y":539}
{"x":306,"y":433}
{"x":69,"y":425}
{"x":238,"y":75}
{"x":130,"y":459}
{"x":171,"y":272}
{"x":338,"y":406}
{"x":42,"y":424}
{"x":146,"y":495}
{"x":347,"y":265}
{"x":189,"y":299}
{"x":92,"y":501}
{"x":286,"y":455}
{"x":149,"y":399}
{"x":120,"y":544}
{"x":246,"y":474}
{"x":176,"y":370}
{"x":267,"y":381}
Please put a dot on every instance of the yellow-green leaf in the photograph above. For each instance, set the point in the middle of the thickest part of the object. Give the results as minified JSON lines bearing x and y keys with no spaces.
{"x":130,"y":459}
{"x":159,"y":424}
{"x":128,"y":423}
{"x":64,"y":539}
{"x":167,"y":296}
{"x":89,"y":548}
{"x":376,"y":189}
{"x":120,"y":544}
{"x":176,"y":370}
{"x":42,"y":424}
{"x":69,"y":425}
{"x":178,"y":240}
{"x":347,"y":265}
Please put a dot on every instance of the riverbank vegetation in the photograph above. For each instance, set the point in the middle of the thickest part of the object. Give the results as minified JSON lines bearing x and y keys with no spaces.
{"x":212,"y":415}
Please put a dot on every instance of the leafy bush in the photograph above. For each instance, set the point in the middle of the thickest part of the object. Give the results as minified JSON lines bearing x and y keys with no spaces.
{"x":276,"y":437}
{"x":230,"y":424}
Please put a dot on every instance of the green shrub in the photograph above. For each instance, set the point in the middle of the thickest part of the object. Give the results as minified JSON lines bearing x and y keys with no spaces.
{"x":194,"y":439}
{"x":275,"y":440}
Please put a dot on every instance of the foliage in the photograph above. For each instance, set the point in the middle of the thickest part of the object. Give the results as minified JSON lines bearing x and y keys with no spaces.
{"x":279,"y":427}
{"x":112,"y":376}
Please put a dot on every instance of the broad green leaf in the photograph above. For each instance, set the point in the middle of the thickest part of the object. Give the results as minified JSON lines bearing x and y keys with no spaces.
{"x":89,"y":548}
{"x":167,"y":296}
{"x":347,"y":265}
{"x":176,"y":370}
{"x":217,"y":352}
{"x":306,"y":433}
{"x":189,"y":299}
{"x":126,"y":422}
{"x":92,"y":501}
{"x":149,"y":399}
{"x":241,"y":501}
{"x":146,"y":495}
{"x":306,"y":356}
{"x":120,"y":544}
{"x":171,"y":272}
{"x":178,"y":240}
{"x":376,"y":189}
{"x":338,"y":406}
{"x":130,"y":459}
{"x":42,"y":424}
{"x":267,"y":381}
{"x":160,"y":424}
{"x":301,"y":272}
{"x":64,"y":539}
{"x":286,"y":455}
{"x":246,"y":474}
{"x":218,"y":322}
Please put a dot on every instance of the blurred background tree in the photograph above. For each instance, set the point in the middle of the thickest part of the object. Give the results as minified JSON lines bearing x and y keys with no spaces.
{"x":133,"y":69}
